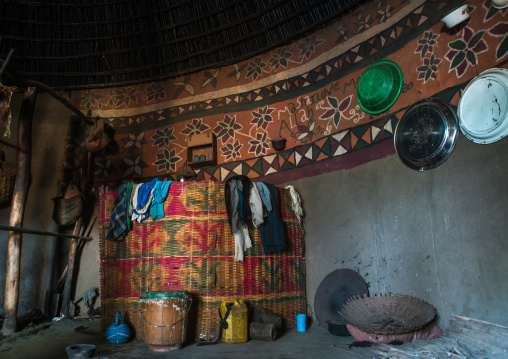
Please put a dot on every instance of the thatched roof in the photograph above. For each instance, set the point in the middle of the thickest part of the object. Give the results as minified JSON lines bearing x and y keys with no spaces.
{"x":76,"y":44}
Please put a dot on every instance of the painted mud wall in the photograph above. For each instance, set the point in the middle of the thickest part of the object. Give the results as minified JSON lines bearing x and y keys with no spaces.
{"x":305,"y":92}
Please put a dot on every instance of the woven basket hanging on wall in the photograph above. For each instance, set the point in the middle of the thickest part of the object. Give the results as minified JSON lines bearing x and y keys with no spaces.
{"x":7,"y":179}
{"x":68,"y":208}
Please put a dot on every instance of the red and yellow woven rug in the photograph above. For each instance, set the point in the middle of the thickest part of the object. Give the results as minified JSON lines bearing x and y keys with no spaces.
{"x":192,"y":249}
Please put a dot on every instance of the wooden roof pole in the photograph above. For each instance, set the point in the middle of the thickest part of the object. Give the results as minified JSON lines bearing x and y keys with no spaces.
{"x":43,"y":88}
{"x":69,"y":278}
{"x":18,"y":209}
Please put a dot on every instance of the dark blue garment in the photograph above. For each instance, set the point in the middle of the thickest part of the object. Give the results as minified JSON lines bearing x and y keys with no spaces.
{"x":118,"y":221}
{"x":272,"y":229}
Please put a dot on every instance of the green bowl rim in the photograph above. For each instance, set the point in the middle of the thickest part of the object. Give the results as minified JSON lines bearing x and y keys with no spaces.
{"x":375,"y":112}
{"x":178,"y":294}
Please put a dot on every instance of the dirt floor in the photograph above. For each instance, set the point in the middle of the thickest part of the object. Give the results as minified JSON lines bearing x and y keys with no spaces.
{"x":49,"y":340}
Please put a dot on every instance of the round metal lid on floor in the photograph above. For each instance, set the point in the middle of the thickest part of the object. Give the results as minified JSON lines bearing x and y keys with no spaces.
{"x":333,"y":292}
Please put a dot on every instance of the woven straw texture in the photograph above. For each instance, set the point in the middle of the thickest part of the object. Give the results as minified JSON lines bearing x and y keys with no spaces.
{"x":192,"y":249}
{"x":388,"y":313}
{"x":7,"y":181}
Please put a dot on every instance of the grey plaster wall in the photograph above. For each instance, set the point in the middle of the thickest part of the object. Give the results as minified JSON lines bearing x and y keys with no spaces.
{"x":440,"y":235}
{"x":43,"y":258}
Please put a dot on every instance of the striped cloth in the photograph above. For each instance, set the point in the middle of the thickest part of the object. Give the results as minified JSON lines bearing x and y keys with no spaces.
{"x":118,"y":223}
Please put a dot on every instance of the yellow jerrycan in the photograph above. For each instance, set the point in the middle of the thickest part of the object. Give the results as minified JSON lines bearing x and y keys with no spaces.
{"x":236,"y":319}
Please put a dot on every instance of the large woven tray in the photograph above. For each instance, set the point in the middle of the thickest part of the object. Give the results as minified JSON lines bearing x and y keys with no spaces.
{"x":388,"y":314}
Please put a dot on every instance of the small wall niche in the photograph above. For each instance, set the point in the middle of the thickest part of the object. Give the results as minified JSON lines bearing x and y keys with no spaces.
{"x":202,"y":150}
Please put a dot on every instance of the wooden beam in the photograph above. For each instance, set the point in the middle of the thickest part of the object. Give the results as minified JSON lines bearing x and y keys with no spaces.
{"x":18,"y":209}
{"x":69,"y":280}
{"x":43,"y":233}
{"x":43,"y":88}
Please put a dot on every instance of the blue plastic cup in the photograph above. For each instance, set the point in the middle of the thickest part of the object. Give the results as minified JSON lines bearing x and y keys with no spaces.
{"x":301,"y":322}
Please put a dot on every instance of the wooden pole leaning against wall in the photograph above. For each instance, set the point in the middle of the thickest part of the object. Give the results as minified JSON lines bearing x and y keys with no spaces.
{"x":18,"y":209}
{"x":69,"y":278}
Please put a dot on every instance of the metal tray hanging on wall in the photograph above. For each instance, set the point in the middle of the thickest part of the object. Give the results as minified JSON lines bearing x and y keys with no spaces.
{"x":483,"y":107}
{"x":426,"y":134}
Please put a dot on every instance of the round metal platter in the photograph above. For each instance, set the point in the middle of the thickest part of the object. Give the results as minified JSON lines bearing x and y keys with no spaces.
{"x":333,"y":292}
{"x":483,"y":107}
{"x":426,"y":134}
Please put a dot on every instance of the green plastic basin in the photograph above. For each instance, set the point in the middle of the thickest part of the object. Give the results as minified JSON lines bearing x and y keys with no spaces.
{"x":379,"y":87}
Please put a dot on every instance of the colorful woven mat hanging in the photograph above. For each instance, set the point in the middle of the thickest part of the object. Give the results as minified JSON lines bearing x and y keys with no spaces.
{"x":192,"y":249}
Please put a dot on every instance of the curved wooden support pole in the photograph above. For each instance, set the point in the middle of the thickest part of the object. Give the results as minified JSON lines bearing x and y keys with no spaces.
{"x":44,"y":88}
{"x":18,"y":209}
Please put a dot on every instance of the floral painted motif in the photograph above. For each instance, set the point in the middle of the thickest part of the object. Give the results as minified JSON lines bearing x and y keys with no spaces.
{"x":74,"y":146}
{"x":226,"y":129}
{"x":335,"y":110}
{"x":500,"y":30}
{"x":231,"y":150}
{"x":166,"y":161}
{"x":123,"y":96}
{"x":262,"y":117}
{"x":183,"y":85}
{"x":255,"y":68}
{"x":133,"y":166}
{"x":308,"y":46}
{"x":135,"y":140}
{"x":73,"y":165}
{"x":102,"y":167}
{"x":210,"y":78}
{"x":343,"y":32}
{"x":428,"y":70}
{"x":163,"y":137}
{"x":306,"y":132}
{"x":363,"y":23}
{"x":91,"y":99}
{"x":492,"y":11}
{"x":195,"y":127}
{"x":463,"y":51}
{"x":426,"y":44}
{"x":383,"y":13}
{"x":237,"y":73}
{"x":155,"y":92}
{"x":280,"y":58}
{"x":259,"y":145}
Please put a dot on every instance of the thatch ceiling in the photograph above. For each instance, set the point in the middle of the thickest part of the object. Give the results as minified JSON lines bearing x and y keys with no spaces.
{"x":76,"y":44}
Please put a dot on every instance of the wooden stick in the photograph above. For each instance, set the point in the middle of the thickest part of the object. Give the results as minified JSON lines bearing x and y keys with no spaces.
{"x":8,"y":144}
{"x":6,"y":61}
{"x":18,"y":210}
{"x":74,"y":244}
{"x":42,"y":233}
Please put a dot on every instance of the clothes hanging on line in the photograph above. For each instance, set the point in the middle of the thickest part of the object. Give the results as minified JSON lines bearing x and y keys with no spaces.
{"x":272,"y":229}
{"x":118,"y":221}
{"x":160,"y":192}
{"x":242,"y":198}
{"x":143,"y":201}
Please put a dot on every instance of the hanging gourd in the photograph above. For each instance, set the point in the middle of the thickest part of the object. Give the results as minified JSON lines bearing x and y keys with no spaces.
{"x":98,"y":138}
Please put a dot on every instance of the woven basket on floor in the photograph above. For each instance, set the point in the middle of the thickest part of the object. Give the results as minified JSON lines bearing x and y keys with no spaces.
{"x":7,"y":180}
{"x":388,"y":313}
